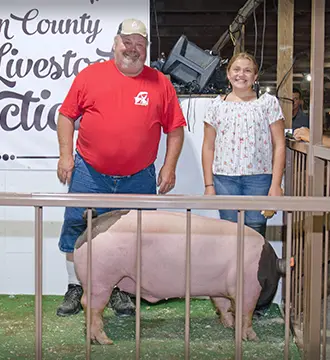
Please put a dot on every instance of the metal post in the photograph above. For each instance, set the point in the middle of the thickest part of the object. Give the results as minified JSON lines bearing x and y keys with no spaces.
{"x":325,"y":279}
{"x":38,"y":282}
{"x":89,"y":283}
{"x":138,"y":286}
{"x":188,"y":268}
{"x":288,"y":285}
{"x":239,"y":286}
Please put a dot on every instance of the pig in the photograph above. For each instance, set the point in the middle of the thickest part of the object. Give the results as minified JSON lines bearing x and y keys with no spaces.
{"x":213,"y":264}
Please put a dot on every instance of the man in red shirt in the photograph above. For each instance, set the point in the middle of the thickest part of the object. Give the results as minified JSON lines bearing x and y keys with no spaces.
{"x":122,"y":105}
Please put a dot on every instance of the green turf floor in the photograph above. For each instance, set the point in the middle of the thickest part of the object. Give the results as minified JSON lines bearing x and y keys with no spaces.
{"x":162,"y":333}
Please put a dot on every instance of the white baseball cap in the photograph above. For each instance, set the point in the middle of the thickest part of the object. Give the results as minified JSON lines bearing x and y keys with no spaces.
{"x":132,"y":26}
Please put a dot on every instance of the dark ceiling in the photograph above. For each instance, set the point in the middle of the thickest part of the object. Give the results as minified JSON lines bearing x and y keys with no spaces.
{"x":203,"y":22}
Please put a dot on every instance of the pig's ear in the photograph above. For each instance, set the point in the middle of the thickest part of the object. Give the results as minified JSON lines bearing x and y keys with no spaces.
{"x":94,"y":214}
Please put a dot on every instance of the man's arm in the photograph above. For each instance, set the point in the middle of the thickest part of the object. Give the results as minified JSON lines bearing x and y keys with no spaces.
{"x":166,"y":177}
{"x":65,"y":130}
{"x":303,"y":134}
{"x":70,"y":110}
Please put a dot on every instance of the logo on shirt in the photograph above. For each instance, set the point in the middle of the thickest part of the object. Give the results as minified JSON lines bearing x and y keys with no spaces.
{"x":141,"y":98}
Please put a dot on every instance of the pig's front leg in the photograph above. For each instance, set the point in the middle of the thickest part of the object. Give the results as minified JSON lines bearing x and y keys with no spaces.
{"x":97,"y":333}
{"x":224,"y":310}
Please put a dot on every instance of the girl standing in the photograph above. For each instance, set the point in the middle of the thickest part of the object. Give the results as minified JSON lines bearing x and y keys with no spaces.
{"x":243,"y":150}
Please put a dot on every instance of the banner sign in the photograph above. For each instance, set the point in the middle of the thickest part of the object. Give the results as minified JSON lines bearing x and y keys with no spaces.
{"x":44,"y":44}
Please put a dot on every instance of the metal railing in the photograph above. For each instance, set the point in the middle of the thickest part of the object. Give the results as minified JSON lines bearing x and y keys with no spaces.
{"x":242,"y":203}
{"x":298,"y":177}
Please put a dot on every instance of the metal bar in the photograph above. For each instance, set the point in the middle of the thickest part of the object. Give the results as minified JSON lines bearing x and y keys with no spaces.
{"x":295,"y":164}
{"x":287,"y":285}
{"x":289,"y":190}
{"x":322,"y":152}
{"x":326,"y":258}
{"x":298,"y":146}
{"x":284,"y":203}
{"x":315,"y":290}
{"x":289,"y":171}
{"x":325,"y":290}
{"x":89,"y":283}
{"x":295,"y":233}
{"x":38,"y":282}
{"x":138,"y":285}
{"x":301,"y":247}
{"x":300,"y":174}
{"x":239,"y":286}
{"x":306,"y":287}
{"x":295,"y":251}
{"x":299,"y":264}
{"x":188,"y":285}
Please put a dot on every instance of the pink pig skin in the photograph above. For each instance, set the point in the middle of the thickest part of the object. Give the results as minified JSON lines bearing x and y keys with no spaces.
{"x":213,"y":264}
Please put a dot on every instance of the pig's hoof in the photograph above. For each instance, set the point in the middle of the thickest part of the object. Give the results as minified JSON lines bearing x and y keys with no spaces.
{"x":249,"y":334}
{"x":227,"y":321}
{"x":101,"y":339}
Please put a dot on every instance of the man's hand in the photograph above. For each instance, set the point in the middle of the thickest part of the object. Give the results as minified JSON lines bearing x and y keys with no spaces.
{"x":65,"y":166}
{"x":166,"y":179}
{"x":301,"y":134}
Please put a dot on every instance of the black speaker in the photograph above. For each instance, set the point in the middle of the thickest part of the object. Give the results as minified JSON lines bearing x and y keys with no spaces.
{"x":188,"y":63}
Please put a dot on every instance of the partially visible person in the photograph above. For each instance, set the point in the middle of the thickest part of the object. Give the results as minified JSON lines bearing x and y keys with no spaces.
{"x":299,"y":118}
{"x":243,"y":150}
{"x":303,"y":135}
{"x":123,"y":105}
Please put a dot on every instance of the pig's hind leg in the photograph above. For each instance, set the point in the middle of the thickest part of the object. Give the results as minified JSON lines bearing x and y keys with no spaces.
{"x":224,"y":310}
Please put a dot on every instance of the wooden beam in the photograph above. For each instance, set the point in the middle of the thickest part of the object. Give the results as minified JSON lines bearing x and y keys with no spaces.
{"x":315,"y":187}
{"x":236,"y":25}
{"x":239,"y":40}
{"x":284,"y":78}
{"x":285,"y":56}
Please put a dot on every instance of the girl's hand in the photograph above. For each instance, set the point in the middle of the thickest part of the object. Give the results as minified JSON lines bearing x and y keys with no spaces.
{"x":209,"y":190}
{"x":275,"y":191}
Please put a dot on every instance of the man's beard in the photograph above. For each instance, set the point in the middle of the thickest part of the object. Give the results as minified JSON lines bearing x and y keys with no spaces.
{"x":132,"y":62}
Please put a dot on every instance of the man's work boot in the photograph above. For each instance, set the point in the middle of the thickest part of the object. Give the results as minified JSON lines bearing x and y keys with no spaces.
{"x":121,"y":303}
{"x":71,"y":304}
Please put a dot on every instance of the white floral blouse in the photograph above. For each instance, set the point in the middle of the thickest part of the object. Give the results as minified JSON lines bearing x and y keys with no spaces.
{"x":243,"y":144}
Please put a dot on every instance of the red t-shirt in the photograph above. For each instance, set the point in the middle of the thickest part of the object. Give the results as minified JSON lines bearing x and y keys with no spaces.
{"x":122,"y":116}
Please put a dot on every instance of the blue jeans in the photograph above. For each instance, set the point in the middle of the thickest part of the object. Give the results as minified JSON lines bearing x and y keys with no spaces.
{"x":251,"y":185}
{"x":86,"y":180}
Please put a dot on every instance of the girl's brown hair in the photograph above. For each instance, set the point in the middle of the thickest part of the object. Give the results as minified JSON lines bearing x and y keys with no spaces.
{"x":244,"y":55}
